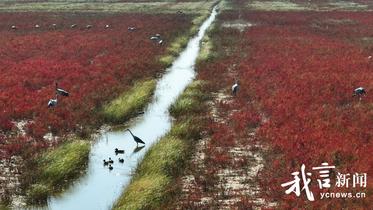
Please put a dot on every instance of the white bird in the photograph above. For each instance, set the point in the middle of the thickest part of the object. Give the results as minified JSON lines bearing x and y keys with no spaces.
{"x":52,"y":102}
{"x":131,"y":28}
{"x":107,"y":26}
{"x":160,"y":42}
{"x":88,"y":26}
{"x":14,"y":27}
{"x":235,"y":88}
{"x":73,"y":26}
{"x":54,"y":25}
{"x":156,"y":37}
{"x":37,"y":26}
{"x":370,"y":57}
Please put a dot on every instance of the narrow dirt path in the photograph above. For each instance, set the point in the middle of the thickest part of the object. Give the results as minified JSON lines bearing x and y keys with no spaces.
{"x":10,"y":178}
{"x":228,"y":186}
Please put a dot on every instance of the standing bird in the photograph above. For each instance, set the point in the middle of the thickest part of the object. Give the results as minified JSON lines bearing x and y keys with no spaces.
{"x":235,"y":88}
{"x":37,"y":26}
{"x":360,"y":91}
{"x":88,"y":26}
{"x":52,"y":102}
{"x":136,"y":139}
{"x":61,"y":91}
{"x":73,"y":26}
{"x":107,"y":26}
{"x":14,"y":27}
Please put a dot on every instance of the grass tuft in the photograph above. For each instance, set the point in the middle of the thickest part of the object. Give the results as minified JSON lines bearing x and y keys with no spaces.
{"x":129,"y":103}
{"x":190,"y":101}
{"x":163,"y":158}
{"x":144,"y":193}
{"x":54,"y":168}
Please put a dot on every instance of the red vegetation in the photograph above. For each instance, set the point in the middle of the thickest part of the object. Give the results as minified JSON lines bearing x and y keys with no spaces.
{"x":94,"y":65}
{"x":300,"y":70}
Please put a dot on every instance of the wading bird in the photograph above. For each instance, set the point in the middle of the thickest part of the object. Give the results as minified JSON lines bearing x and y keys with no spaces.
{"x":235,"y":88}
{"x":135,"y":138}
{"x":61,"y":91}
{"x":52,"y":102}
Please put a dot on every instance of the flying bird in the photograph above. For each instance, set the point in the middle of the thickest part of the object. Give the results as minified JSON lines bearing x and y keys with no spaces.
{"x":136,"y":139}
{"x":130,"y":28}
{"x":61,"y":91}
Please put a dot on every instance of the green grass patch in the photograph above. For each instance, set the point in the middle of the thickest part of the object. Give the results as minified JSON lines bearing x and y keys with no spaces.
{"x":190,"y":101}
{"x":163,"y":158}
{"x":276,"y":6}
{"x":130,"y":102}
{"x":3,"y":207}
{"x":206,"y":49}
{"x":143,"y":193}
{"x":56,"y":167}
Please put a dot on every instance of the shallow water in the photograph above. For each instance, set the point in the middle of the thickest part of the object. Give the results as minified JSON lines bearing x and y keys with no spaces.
{"x":99,"y":188}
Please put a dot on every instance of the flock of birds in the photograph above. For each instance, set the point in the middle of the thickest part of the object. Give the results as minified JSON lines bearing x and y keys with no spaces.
{"x":54,"y":26}
{"x":358,"y":92}
{"x":117,"y":151}
{"x":156,"y":38}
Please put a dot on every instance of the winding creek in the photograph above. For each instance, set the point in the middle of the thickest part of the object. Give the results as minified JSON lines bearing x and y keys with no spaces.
{"x":99,"y":188}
